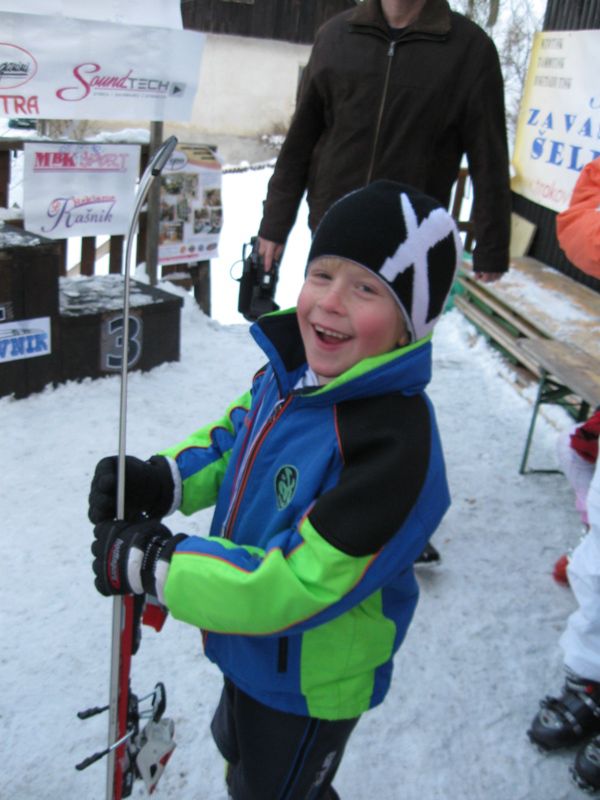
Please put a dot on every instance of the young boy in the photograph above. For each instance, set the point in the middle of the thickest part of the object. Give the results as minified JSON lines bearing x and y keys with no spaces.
{"x":328,"y":480}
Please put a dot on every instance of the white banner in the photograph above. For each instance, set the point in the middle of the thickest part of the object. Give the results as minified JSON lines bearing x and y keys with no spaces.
{"x":160,"y":13}
{"x":191,"y":207}
{"x":559,"y":124}
{"x":79,"y":189}
{"x":63,"y":68}
{"x":24,"y":338}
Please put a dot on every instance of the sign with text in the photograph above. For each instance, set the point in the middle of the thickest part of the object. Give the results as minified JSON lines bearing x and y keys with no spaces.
{"x":79,"y":189}
{"x":25,"y":338}
{"x":63,"y":68}
{"x":191,"y":209}
{"x":559,"y":124}
{"x":160,"y":13}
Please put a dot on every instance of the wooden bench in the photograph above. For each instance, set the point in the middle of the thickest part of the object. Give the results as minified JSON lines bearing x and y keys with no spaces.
{"x":569,"y":376}
{"x":547,"y":325}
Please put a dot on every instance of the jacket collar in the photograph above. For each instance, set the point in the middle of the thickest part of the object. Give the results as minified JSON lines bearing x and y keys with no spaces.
{"x":407,"y":370}
{"x":433,"y":19}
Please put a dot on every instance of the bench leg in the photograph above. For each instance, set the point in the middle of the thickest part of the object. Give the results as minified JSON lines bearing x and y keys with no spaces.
{"x":536,"y":408}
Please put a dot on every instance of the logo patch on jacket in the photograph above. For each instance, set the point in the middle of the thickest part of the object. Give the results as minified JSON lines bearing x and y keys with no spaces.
{"x":286,"y":481}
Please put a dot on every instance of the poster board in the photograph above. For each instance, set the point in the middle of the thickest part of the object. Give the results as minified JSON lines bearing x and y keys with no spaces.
{"x":77,"y":189}
{"x":191,"y":206}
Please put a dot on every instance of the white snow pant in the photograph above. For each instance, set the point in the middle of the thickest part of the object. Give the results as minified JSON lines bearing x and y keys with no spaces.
{"x":577,"y":470}
{"x":581,"y":639}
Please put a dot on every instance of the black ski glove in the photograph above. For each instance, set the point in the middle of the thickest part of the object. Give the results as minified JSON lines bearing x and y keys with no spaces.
{"x":149,"y":489}
{"x":126,"y":557}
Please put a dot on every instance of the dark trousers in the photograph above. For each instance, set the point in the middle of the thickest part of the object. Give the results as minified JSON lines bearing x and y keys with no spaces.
{"x":273,"y":755}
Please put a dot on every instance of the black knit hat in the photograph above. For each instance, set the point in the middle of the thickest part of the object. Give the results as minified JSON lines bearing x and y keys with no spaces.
{"x":405,"y":237}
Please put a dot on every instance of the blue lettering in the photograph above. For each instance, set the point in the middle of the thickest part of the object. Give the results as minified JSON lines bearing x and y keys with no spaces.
{"x":18,"y":346}
{"x":36,"y":342}
{"x":574,"y":162}
{"x":21,"y":346}
{"x":537,"y":148}
{"x":533,"y":116}
{"x":556,"y":151}
{"x":586,"y":128}
{"x":570,"y":121}
{"x":548,"y":123}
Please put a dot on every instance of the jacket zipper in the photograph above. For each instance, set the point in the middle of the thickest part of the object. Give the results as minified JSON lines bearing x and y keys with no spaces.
{"x":390,"y":54}
{"x":249,"y":463}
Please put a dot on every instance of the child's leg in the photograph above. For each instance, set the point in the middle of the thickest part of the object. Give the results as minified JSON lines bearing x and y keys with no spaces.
{"x":577,"y":470}
{"x":581,"y":639}
{"x":273,"y":755}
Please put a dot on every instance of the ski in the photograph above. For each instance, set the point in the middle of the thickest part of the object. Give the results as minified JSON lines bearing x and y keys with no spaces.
{"x":131,"y":752}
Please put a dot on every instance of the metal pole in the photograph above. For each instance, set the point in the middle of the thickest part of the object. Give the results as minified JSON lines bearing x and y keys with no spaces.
{"x":154,"y":168}
{"x":153,"y":210}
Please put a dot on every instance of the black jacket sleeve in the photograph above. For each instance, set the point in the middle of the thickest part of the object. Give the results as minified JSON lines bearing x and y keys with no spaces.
{"x":385,"y":443}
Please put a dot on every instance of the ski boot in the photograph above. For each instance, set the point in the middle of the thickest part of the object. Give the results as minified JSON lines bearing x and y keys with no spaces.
{"x":566,"y":720}
{"x":586,"y":769}
{"x":429,"y":555}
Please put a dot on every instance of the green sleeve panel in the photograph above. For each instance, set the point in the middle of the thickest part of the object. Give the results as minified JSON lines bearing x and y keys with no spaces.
{"x":203,"y":457}
{"x":226,"y":588}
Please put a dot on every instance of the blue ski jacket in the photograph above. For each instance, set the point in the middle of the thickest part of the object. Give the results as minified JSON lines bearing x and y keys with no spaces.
{"x":324,"y":499}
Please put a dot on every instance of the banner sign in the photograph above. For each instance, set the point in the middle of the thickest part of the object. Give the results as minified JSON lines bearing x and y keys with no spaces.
{"x":79,"y":189}
{"x":62,"y":68}
{"x":191,"y":209}
{"x":558,"y":131}
{"x":160,"y":13}
{"x":25,"y":338}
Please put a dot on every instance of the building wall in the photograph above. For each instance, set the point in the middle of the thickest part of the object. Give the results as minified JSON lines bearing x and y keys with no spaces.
{"x":247,"y":86}
{"x":282,"y":20}
{"x":572,"y":15}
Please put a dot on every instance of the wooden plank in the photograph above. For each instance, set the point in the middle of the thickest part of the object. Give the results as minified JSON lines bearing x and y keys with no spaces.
{"x":4,"y":177}
{"x":572,"y":367}
{"x":552,"y":302}
{"x":496,"y":332}
{"x":88,"y":255}
{"x":90,"y":252}
{"x":483,"y":293}
{"x":115,"y":260}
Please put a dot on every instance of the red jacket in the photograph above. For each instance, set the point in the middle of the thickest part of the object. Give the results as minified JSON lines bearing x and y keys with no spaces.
{"x":370,"y":108}
{"x":578,"y":228}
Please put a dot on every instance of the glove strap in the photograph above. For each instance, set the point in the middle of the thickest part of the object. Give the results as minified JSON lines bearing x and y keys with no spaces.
{"x":151,"y":556}
{"x":159,"y":548}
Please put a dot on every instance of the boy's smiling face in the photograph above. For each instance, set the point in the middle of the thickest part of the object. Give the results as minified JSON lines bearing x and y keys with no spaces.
{"x":346,"y":314}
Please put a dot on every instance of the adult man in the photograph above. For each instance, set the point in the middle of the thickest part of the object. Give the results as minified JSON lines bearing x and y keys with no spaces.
{"x":398,"y":89}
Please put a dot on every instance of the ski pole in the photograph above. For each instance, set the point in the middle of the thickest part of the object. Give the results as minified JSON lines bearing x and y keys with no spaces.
{"x":122,"y":616}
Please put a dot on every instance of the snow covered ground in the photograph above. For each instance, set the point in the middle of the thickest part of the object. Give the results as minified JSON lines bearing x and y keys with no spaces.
{"x":481,"y":652}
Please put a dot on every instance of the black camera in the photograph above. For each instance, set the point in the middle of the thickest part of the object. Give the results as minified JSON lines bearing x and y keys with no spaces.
{"x":257,"y":286}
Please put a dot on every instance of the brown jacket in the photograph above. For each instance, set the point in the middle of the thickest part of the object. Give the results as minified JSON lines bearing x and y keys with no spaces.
{"x":370,"y":108}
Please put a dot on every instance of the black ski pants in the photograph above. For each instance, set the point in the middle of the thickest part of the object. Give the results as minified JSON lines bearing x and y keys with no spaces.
{"x":273,"y":755}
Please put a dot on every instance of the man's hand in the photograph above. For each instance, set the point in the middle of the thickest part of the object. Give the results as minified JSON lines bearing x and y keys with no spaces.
{"x":269,"y":252}
{"x":488,"y":277}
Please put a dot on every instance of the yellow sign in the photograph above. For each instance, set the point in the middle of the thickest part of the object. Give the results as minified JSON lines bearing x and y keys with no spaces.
{"x":558,"y":131}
